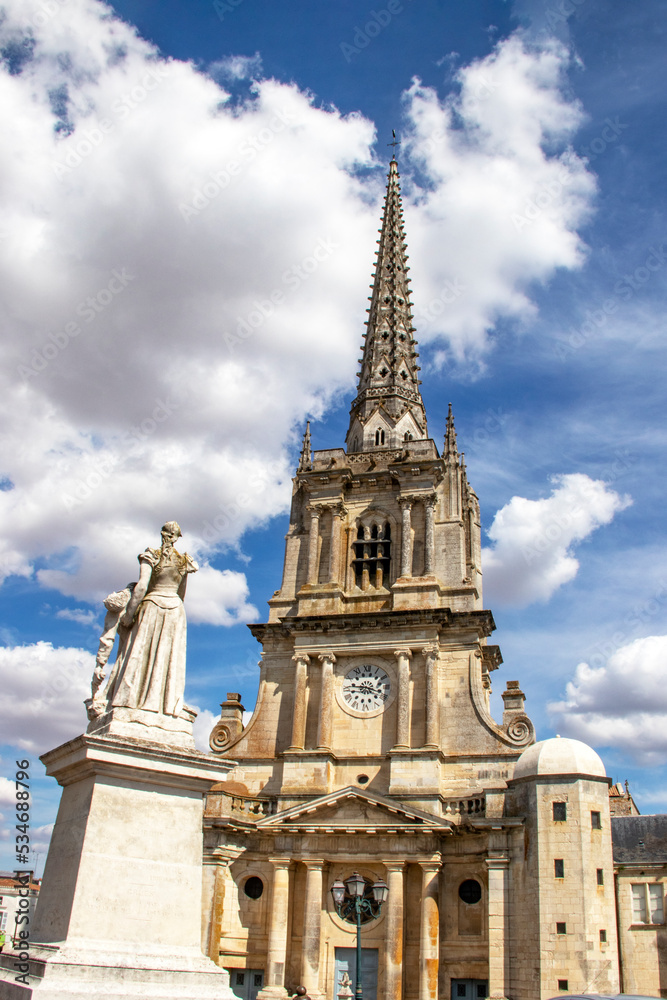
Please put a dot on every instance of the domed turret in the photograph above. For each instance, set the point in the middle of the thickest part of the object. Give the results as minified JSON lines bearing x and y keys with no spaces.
{"x":559,"y":756}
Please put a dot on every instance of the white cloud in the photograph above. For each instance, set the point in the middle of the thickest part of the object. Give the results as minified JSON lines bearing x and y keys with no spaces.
{"x":507,"y":193}
{"x":622,"y":704}
{"x":80,"y":616}
{"x":7,"y":792}
{"x":219,"y":597}
{"x":202,"y":728}
{"x":186,"y":249}
{"x":236,"y":67}
{"x":43,"y":689}
{"x":533,"y":540}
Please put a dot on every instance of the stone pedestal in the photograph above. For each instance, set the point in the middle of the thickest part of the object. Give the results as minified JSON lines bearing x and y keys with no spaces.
{"x":119,"y":912}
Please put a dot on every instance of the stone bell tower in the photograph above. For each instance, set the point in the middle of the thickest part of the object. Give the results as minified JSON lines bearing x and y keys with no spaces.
{"x":372,"y":739}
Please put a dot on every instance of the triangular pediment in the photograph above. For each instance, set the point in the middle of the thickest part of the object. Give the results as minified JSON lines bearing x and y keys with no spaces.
{"x":354,"y":810}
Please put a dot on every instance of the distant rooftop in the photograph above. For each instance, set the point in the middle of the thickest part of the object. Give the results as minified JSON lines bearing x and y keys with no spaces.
{"x":638,"y":839}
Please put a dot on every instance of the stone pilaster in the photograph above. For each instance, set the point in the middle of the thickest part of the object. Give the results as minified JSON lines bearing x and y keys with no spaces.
{"x":432,"y":703}
{"x":393,"y":953}
{"x":274,"y":986}
{"x":429,"y":540}
{"x":429,"y":937}
{"x":312,"y":917}
{"x":337,"y":514}
{"x":406,"y":536}
{"x":498,"y":914}
{"x":403,"y":657}
{"x":301,"y":661}
{"x":313,"y":545}
{"x":325,"y":726}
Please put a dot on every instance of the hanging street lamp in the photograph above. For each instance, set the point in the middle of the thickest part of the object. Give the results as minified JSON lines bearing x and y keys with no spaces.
{"x":352,"y":902}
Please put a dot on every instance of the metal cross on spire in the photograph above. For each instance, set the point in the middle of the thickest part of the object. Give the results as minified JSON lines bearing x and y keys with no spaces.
{"x":395,"y":143}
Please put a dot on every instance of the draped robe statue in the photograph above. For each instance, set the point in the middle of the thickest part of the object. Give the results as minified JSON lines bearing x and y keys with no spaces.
{"x":149,"y":618}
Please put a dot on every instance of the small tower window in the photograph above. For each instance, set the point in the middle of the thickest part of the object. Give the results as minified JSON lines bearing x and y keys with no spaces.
{"x":407,"y":436}
{"x":596,"y":821}
{"x":560,"y":812}
{"x":379,"y":437}
{"x":561,"y":927}
{"x":600,"y":876}
{"x":562,"y":985}
{"x":603,"y":936}
{"x":559,"y":868}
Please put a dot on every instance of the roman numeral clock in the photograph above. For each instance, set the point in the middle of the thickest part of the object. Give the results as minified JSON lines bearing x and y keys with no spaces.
{"x":366,"y":688}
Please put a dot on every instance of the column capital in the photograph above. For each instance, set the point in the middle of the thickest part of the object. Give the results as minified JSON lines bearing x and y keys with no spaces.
{"x":393,"y":865}
{"x":315,"y":510}
{"x":339,"y":509}
{"x":301,"y":658}
{"x":406,"y":501}
{"x":497,"y":863}
{"x":406,"y":652}
{"x":432,"y":650}
{"x":281,"y":862}
{"x":313,"y":863}
{"x":430,"y":499}
{"x":326,"y":658}
{"x":430,"y":867}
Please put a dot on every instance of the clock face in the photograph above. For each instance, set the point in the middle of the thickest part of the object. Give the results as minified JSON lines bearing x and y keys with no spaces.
{"x":366,"y":688}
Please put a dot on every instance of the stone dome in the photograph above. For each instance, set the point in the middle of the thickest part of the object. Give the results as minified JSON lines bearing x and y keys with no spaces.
{"x":559,"y":756}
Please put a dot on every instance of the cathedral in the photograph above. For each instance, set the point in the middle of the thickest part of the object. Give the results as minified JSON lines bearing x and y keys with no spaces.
{"x":372,"y":750}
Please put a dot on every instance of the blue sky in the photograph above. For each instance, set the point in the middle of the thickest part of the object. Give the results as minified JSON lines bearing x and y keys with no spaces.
{"x":169,"y":167}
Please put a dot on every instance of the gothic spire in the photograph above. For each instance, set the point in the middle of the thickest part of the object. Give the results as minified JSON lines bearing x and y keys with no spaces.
{"x":388,"y":380}
{"x":306,"y":459}
{"x":450,"y":451}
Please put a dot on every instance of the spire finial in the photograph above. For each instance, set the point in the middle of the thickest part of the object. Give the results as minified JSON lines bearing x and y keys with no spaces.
{"x":396,"y":142}
{"x":306,"y":460}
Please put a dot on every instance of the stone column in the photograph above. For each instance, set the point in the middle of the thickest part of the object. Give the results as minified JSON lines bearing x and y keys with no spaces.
{"x":403,"y":657}
{"x":429,"y":938}
{"x":274,"y":985}
{"x":301,"y":661}
{"x":393,"y":955}
{"x":313,"y":545}
{"x":325,"y":726}
{"x":432,"y":703}
{"x":498,"y":869}
{"x":310,"y":954}
{"x":429,"y":540}
{"x":212,"y":947}
{"x":406,"y":536}
{"x":337,"y":514}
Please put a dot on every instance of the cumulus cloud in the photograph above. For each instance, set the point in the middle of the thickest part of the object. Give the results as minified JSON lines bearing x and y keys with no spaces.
{"x":79,"y":615}
{"x":186,"y":244}
{"x":503,"y":184}
{"x":43,"y":689}
{"x":622,"y":704}
{"x":219,"y":597}
{"x":533,"y":540}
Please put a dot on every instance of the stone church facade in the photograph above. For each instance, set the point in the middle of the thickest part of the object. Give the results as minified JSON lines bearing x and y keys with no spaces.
{"x":372,"y":747}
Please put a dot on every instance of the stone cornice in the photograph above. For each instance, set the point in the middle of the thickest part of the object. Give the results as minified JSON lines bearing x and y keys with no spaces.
{"x":480,"y":622}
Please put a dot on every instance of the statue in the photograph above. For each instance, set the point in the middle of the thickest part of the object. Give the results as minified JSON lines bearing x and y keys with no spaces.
{"x":149,"y":619}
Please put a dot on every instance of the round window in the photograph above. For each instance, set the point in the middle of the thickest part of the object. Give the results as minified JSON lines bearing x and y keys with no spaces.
{"x":470,"y":891}
{"x":362,"y":779}
{"x":254,"y":887}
